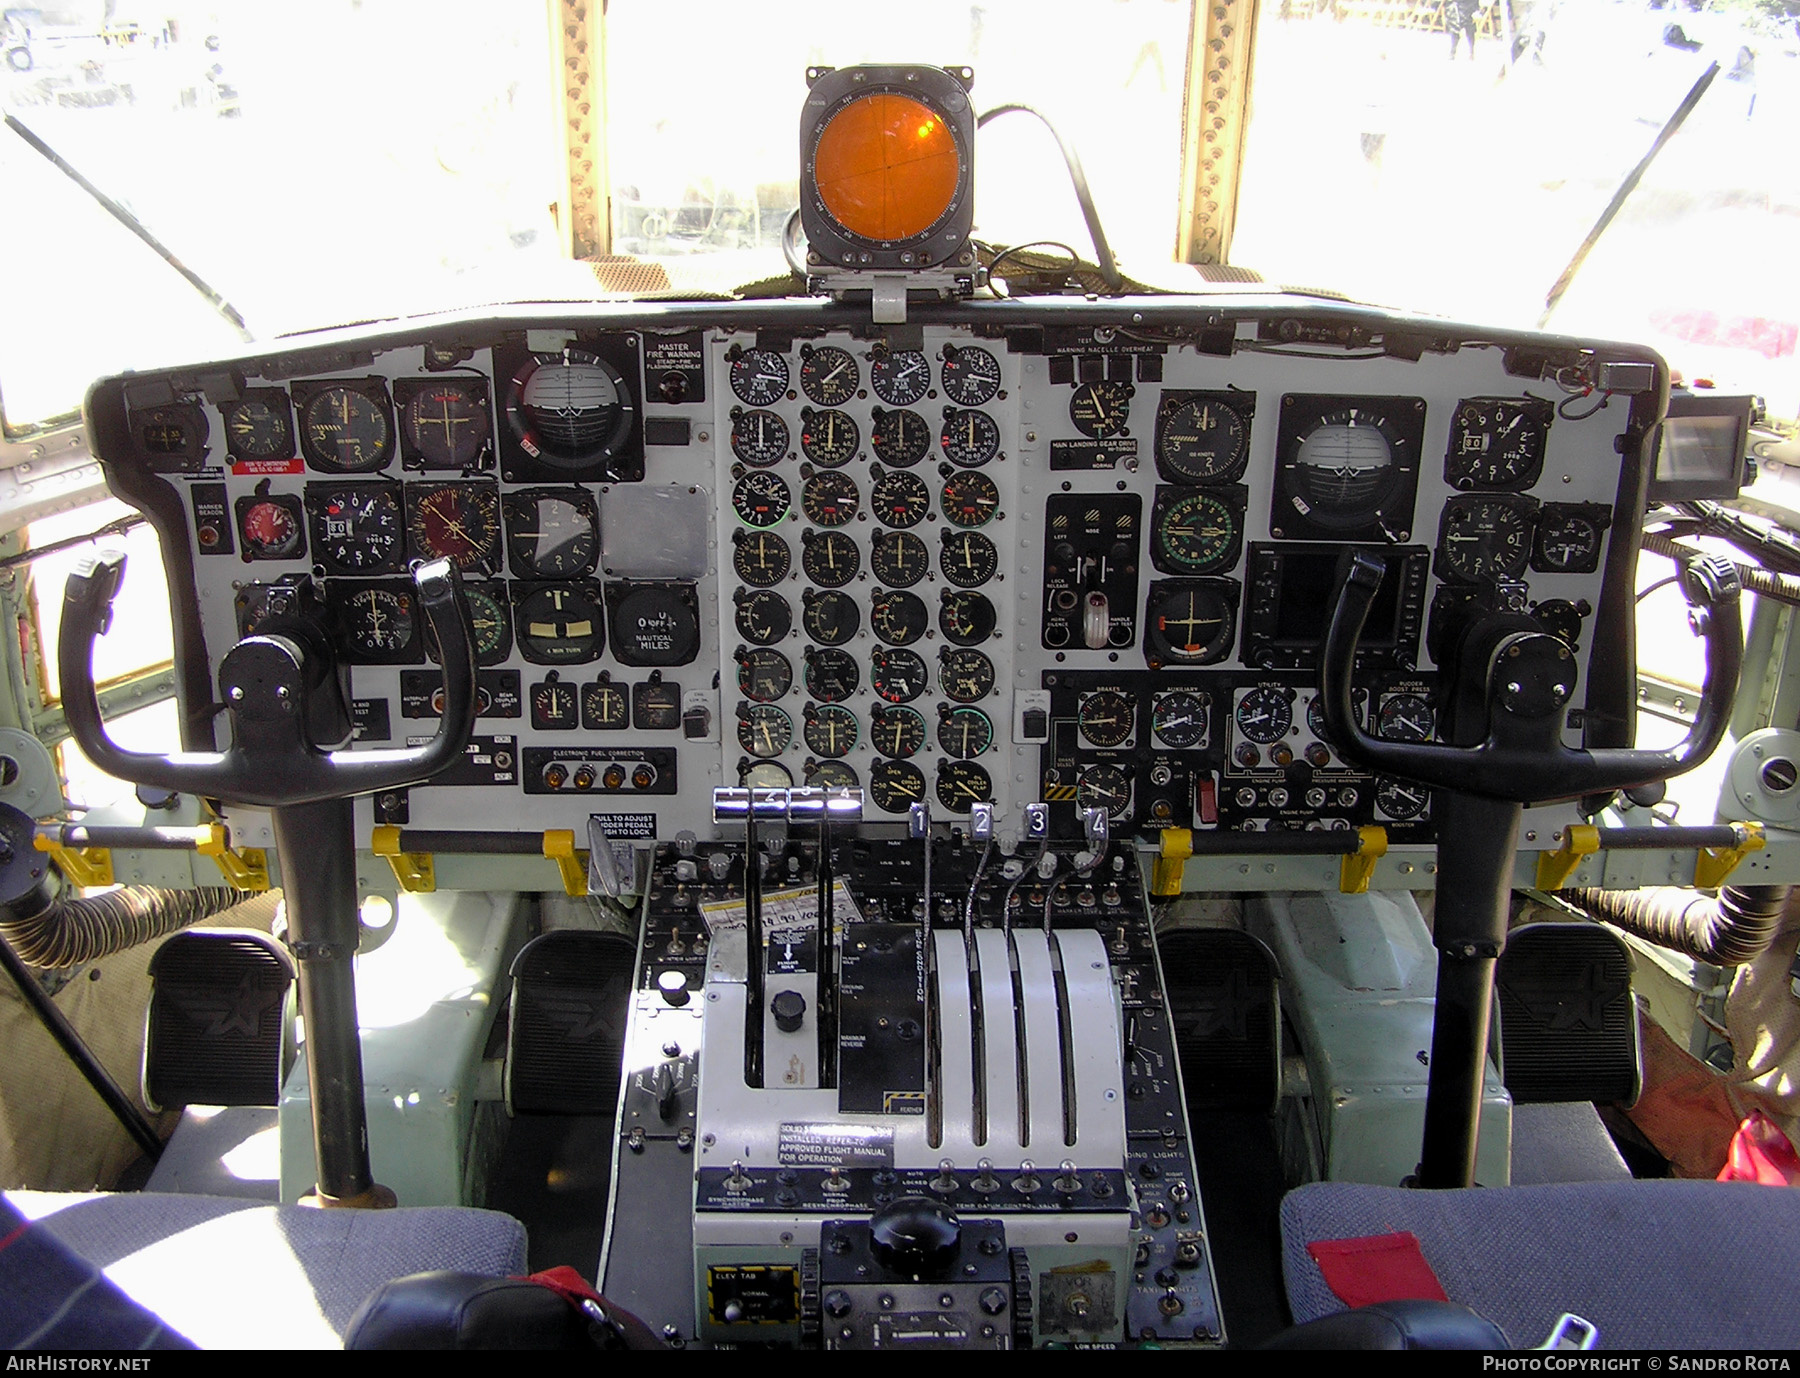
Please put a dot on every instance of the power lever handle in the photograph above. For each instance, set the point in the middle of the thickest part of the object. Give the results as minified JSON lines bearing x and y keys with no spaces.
{"x":271,"y":762}
{"x":1530,"y":680}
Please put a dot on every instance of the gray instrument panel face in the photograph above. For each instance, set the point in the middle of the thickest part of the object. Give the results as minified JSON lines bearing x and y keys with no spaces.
{"x":1051,"y":458}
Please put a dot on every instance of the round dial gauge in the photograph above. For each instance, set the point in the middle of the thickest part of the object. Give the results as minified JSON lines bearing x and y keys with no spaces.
{"x":1315,"y":713}
{"x":830,"y":618}
{"x":900,"y":438}
{"x":560,"y":625}
{"x":759,"y":438}
{"x":969,"y":438}
{"x":1195,"y":533}
{"x":1343,"y":467}
{"x":898,"y":618}
{"x":763,"y":617}
{"x":1405,"y":718}
{"x":896,"y":732}
{"x":829,"y":558}
{"x":832,"y":775}
{"x":458,"y":522}
{"x":831,"y":674}
{"x":830,"y":499}
{"x":271,"y":529}
{"x":1180,"y":719}
{"x":970,"y":500}
{"x":1199,"y":440}
{"x":899,"y":676}
{"x":552,"y":533}
{"x":655,"y":624}
{"x":1192,"y":625}
{"x":966,"y":676}
{"x":828,"y":437}
{"x":764,"y":775}
{"x":257,"y":427}
{"x":962,"y":783}
{"x":446,"y":423}
{"x":1401,"y":799}
{"x":964,"y":732}
{"x":830,"y":729}
{"x":898,"y":558}
{"x":761,"y":559}
{"x":763,"y":729}
{"x":899,"y":499}
{"x":604,"y":707}
{"x":759,"y":377}
{"x":829,"y":376}
{"x":490,"y":620}
{"x":1100,"y":409}
{"x":1561,"y":618}
{"x":1265,"y":714}
{"x":1104,"y":787}
{"x":761,"y":499}
{"x":1496,"y":442}
{"x":356,"y":529}
{"x":896,"y":786}
{"x":569,"y":408}
{"x":379,"y":622}
{"x":1484,"y":538}
{"x":1568,"y":540}
{"x":764,"y":675}
{"x":555,"y":706}
{"x":346,"y":431}
{"x":968,"y":558}
{"x":966,"y":619}
{"x":900,"y":377}
{"x":178,"y":431}
{"x":1107,"y":718}
{"x":971,"y":375}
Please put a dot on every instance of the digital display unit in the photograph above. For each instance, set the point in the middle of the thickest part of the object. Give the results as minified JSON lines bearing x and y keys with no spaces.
{"x":1701,"y":448}
{"x":1293,"y":589}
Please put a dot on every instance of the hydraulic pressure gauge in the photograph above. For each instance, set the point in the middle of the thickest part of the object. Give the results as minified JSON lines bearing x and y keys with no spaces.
{"x":830,"y":618}
{"x":898,"y":558}
{"x":1265,"y":714}
{"x":1104,"y":787}
{"x":829,"y":438}
{"x":1181,"y":720}
{"x":1107,"y":718}
{"x":898,"y":499}
{"x":896,"y":732}
{"x":1401,"y":800}
{"x":901,"y":438}
{"x":1405,"y":718}
{"x":759,"y":438}
{"x":900,"y":377}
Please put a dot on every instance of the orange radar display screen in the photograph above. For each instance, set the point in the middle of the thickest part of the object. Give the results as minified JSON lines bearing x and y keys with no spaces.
{"x":887,"y":167}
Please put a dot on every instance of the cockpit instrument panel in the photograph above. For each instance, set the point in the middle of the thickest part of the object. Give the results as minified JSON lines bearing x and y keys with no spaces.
{"x":1070,"y":551}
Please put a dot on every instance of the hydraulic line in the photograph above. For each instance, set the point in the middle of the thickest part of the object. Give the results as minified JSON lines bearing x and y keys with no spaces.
{"x":1783,"y":588}
{"x":53,"y":931}
{"x":1730,"y":929}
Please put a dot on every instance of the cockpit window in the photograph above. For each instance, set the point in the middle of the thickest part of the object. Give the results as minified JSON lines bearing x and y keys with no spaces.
{"x":1452,"y":157}
{"x":704,"y":145}
{"x":315,"y":164}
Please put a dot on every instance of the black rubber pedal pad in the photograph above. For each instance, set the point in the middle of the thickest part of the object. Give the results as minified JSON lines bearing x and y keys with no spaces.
{"x":1224,"y":995}
{"x":1568,"y":1026}
{"x":566,"y":1041}
{"x":218,"y":1031}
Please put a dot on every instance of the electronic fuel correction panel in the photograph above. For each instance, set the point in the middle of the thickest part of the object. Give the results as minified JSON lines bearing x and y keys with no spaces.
{"x":1074,"y":551}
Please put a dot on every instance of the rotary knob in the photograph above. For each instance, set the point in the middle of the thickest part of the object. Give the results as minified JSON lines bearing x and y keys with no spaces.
{"x":915,"y":1235}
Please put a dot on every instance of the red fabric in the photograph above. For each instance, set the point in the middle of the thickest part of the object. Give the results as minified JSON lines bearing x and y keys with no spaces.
{"x":1760,"y":1152}
{"x":1377,"y":1268}
{"x":566,"y":1283}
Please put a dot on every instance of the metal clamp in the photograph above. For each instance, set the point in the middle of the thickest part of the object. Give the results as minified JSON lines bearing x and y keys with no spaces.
{"x":559,"y":846}
{"x":244,"y":868}
{"x":1171,"y":862}
{"x":1579,"y":842}
{"x":83,"y":866}
{"x":1713,"y":864}
{"x":1357,"y":868}
{"x":415,"y":872}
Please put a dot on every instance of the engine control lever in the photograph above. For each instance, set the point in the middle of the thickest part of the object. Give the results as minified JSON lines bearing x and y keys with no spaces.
{"x":1530,"y":679}
{"x":272,"y":762}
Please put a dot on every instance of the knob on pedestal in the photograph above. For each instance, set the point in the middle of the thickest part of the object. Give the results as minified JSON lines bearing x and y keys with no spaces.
{"x":914,"y":1235}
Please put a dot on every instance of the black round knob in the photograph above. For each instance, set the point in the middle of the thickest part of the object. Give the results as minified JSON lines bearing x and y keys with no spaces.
{"x":789,"y":1009}
{"x":914,"y":1235}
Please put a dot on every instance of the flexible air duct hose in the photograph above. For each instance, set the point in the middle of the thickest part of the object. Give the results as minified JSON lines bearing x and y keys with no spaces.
{"x":61,"y":932}
{"x":1735,"y":927}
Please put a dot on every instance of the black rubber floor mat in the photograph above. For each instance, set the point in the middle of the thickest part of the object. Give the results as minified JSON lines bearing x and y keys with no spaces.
{"x":571,"y":998}
{"x":1222,"y":991}
{"x":1568,"y":1028}
{"x":216,"y":1032}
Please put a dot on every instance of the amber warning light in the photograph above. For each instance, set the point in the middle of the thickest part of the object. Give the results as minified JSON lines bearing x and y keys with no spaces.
{"x":886,"y":167}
